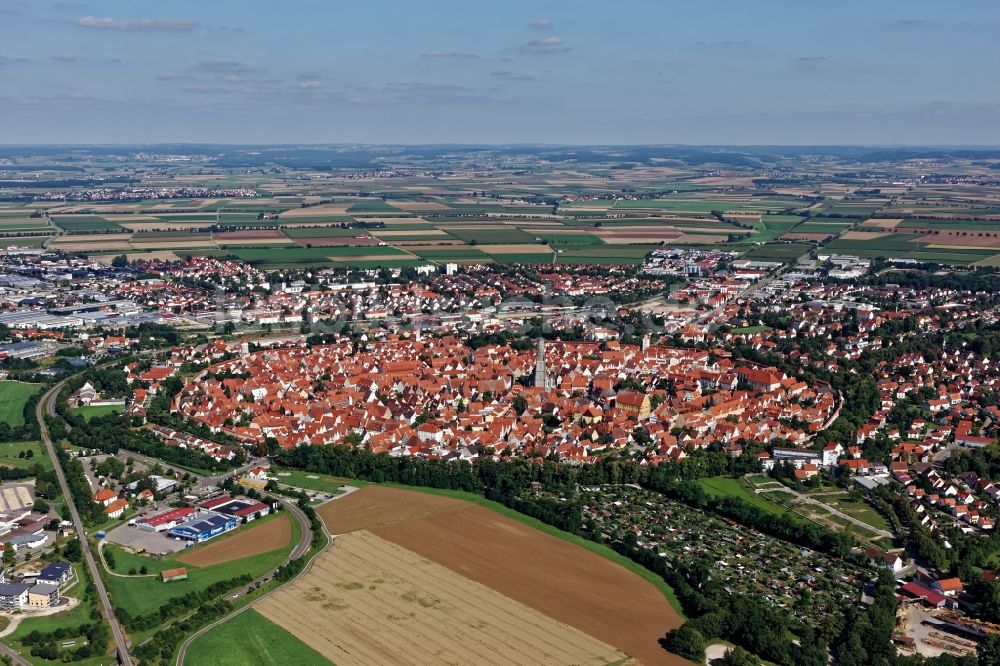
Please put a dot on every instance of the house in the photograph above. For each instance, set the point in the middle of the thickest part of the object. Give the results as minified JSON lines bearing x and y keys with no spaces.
{"x":167,"y":575}
{"x":105,"y":496}
{"x":633,"y":404}
{"x":807,"y":471}
{"x":13,"y":595}
{"x":949,"y":587}
{"x":116,"y":508}
{"x":43,"y":595}
{"x":56,"y":573}
{"x":891,"y":561}
{"x":255,"y":478}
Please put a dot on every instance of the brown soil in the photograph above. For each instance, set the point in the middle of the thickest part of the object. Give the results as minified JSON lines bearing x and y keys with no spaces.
{"x":553,"y":576}
{"x":369,"y":601}
{"x":255,"y":540}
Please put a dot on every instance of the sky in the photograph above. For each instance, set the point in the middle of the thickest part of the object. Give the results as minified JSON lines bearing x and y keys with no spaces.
{"x":884,"y":72}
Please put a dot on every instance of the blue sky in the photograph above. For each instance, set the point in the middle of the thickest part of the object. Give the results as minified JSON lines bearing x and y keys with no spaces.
{"x":311,"y":71}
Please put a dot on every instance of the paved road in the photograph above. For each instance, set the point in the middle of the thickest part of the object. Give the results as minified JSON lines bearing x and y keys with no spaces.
{"x":15,"y":658}
{"x":47,"y":404}
{"x":202,"y":480}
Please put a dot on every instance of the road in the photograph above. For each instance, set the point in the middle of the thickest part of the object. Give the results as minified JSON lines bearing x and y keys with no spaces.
{"x":203,"y":481}
{"x":47,"y":404}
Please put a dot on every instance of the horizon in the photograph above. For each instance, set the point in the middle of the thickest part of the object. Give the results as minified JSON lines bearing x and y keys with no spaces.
{"x":889,"y":74}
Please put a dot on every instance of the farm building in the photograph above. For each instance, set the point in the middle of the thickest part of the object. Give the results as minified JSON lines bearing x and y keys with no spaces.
{"x":205,"y":528}
{"x":167,"y":520}
{"x":167,"y":575}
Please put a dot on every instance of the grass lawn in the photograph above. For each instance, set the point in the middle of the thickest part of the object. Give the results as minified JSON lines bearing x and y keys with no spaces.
{"x":88,"y":412}
{"x":723,"y":486}
{"x":857,"y":509}
{"x":139,"y":595}
{"x":10,"y":451}
{"x":322,"y":483}
{"x":250,"y":639}
{"x":600,"y":549}
{"x":13,"y":396}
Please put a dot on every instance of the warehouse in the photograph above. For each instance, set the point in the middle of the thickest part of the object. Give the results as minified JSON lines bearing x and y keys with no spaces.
{"x":205,"y":528}
{"x":162,"y":522}
{"x":237,"y":508}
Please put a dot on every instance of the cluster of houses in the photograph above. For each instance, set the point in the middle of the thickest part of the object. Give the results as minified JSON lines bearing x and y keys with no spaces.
{"x":35,"y":589}
{"x":437,"y":397}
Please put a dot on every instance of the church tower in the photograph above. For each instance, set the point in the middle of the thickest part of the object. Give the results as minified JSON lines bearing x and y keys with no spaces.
{"x":541,"y":373}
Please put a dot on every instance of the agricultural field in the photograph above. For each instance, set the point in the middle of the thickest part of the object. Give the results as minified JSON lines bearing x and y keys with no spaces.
{"x":602,"y":254}
{"x":785,"y":252}
{"x":250,"y":639}
{"x":321,"y":232}
{"x":369,"y":601}
{"x":487,"y":233}
{"x":13,"y":397}
{"x":906,"y":246}
{"x":568,"y":584}
{"x":256,"y":539}
{"x":84,"y":223}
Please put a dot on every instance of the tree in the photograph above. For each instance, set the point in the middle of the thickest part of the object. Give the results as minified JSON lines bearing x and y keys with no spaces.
{"x":121,"y":261}
{"x":686,"y":642}
{"x":737,"y":656}
{"x":8,"y":556}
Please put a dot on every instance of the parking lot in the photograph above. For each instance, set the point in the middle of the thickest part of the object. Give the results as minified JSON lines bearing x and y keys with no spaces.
{"x":15,"y":496}
{"x":140,"y":539}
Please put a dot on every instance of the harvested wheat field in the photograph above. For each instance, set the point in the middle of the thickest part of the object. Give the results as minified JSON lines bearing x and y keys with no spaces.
{"x":881,"y":223}
{"x":864,"y":235}
{"x":369,"y":601}
{"x":263,"y":538}
{"x":315,"y":211}
{"x":556,"y":577}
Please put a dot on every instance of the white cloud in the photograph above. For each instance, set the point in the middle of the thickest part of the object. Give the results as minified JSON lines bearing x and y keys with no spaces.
{"x":139,"y":24}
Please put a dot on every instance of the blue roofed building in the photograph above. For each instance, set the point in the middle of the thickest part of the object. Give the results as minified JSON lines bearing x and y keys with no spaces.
{"x":56,"y":574}
{"x":205,"y":528}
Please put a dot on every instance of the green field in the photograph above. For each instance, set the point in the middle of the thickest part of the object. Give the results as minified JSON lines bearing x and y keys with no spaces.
{"x":9,"y":452}
{"x":724,"y":486}
{"x":571,"y":239}
{"x":303,"y":257}
{"x":322,"y":232}
{"x":373,"y":206}
{"x":522,"y":257}
{"x":322,"y":482}
{"x":81,"y":223}
{"x":487,"y":235}
{"x":902,"y":246}
{"x":23,"y":241}
{"x":88,"y":412}
{"x":776,"y":252}
{"x":602,"y":254}
{"x":450,"y":252}
{"x":773,"y":226}
{"x":250,"y":639}
{"x":13,"y":396}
